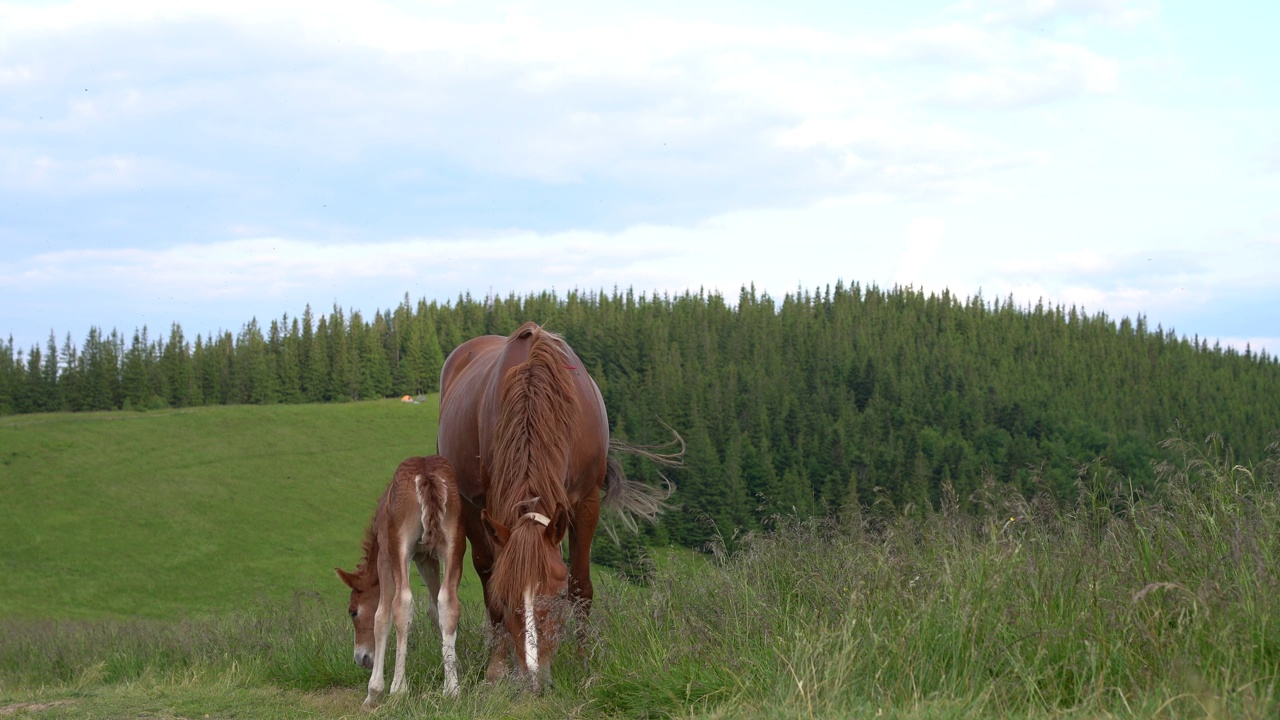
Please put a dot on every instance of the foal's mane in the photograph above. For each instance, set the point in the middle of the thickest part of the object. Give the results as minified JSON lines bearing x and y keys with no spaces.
{"x":368,"y":566}
{"x":532,"y":438}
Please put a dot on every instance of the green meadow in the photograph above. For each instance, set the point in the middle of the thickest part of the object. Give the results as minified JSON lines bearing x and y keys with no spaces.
{"x":178,"y":564}
{"x":183,"y":514}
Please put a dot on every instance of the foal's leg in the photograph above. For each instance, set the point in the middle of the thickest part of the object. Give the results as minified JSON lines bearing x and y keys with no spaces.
{"x":455,"y":547}
{"x":429,"y":569}
{"x":381,"y":627}
{"x":403,"y":613}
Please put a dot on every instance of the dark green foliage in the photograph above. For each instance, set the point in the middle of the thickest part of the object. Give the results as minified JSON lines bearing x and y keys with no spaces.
{"x":826,"y":400}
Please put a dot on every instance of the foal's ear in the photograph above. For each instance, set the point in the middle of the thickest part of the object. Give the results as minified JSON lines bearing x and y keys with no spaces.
{"x":498,"y":533}
{"x":347,"y":578}
{"x":555,"y":531}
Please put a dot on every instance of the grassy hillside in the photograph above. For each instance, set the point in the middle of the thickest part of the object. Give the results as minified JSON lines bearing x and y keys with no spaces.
{"x":188,"y":513}
{"x":1112,"y":605}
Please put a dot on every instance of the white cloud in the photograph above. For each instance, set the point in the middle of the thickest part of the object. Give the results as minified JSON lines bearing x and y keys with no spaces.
{"x":924,"y":236}
{"x":16,"y":75}
{"x":529,"y":146}
{"x":1048,"y":71}
{"x":109,"y":173}
{"x":732,"y":114}
{"x":1039,"y":12}
{"x":257,"y":267}
{"x":955,"y":43}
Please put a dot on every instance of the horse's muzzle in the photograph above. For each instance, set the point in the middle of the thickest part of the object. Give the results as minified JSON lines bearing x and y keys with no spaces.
{"x":364,"y":660}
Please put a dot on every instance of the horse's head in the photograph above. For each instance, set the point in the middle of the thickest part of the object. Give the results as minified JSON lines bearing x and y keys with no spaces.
{"x":528,"y":585}
{"x":362,"y":608}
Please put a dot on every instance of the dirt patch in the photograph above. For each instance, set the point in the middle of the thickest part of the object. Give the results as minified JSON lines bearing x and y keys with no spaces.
{"x":33,"y":707}
{"x":335,"y":701}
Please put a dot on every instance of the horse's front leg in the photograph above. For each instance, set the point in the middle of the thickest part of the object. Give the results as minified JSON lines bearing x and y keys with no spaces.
{"x":482,"y":560}
{"x":581,"y":592}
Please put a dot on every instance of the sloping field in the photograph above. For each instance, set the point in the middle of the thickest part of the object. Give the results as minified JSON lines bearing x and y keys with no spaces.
{"x":179,"y":565}
{"x":194,"y":512}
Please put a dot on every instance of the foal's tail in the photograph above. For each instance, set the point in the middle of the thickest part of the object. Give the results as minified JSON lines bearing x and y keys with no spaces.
{"x":632,"y":500}
{"x":433,"y":476}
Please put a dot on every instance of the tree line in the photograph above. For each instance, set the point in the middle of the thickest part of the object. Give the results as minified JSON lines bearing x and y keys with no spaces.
{"x":827,"y":399}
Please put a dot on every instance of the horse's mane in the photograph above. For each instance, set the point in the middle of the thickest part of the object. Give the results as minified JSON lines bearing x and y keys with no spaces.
{"x":537,"y":415}
{"x":531,"y":439}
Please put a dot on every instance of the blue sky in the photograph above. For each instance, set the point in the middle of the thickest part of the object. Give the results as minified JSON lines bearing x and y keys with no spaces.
{"x":205,"y":163}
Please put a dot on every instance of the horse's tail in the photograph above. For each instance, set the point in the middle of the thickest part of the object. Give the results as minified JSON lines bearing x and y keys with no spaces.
{"x":632,"y":500}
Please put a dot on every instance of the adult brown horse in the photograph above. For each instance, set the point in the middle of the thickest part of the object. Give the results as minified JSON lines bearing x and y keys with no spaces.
{"x":525,"y":428}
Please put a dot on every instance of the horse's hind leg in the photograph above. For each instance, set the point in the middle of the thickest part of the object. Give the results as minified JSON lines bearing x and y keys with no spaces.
{"x":455,"y":547}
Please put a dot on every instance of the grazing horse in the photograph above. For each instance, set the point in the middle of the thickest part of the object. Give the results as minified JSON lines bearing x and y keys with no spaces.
{"x":525,"y":427}
{"x":419,"y":518}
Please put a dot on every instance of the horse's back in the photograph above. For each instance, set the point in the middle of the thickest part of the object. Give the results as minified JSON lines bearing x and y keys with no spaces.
{"x":462,"y":381}
{"x":470,"y":389}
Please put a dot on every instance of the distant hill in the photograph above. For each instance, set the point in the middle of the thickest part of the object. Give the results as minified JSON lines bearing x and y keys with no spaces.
{"x":806,"y":404}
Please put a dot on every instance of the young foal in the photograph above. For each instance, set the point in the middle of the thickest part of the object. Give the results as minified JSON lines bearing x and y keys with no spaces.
{"x":419,"y":518}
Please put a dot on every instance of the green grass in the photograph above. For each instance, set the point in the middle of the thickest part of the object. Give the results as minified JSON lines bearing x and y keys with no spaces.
{"x":190,"y":513}
{"x":1112,"y":606}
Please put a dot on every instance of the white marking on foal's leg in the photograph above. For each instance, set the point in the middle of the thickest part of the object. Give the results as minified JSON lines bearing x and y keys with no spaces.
{"x":530,"y":635}
{"x":381,"y":628}
{"x":404,"y":619}
{"x":451,"y":664}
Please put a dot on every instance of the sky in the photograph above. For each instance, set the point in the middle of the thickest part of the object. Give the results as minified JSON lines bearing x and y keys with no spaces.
{"x":205,"y":163}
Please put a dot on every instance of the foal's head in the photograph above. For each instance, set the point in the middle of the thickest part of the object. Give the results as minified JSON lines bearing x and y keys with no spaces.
{"x":529,"y":584}
{"x":362,"y":608}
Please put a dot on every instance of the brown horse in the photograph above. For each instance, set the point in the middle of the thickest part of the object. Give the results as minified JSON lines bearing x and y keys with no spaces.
{"x":419,"y":518}
{"x":525,"y":427}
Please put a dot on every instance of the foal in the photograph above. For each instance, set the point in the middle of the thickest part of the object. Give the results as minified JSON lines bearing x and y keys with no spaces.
{"x":419,"y":518}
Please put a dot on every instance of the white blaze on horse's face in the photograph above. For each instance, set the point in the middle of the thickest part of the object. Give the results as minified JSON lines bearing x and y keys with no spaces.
{"x":534,"y":616}
{"x":530,"y":633}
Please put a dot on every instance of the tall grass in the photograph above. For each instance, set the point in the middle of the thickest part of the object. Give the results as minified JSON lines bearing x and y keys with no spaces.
{"x":1114,"y":605}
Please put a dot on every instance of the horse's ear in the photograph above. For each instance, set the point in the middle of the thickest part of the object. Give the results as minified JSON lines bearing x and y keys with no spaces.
{"x":559,"y":524}
{"x":347,"y":578}
{"x":498,"y":533}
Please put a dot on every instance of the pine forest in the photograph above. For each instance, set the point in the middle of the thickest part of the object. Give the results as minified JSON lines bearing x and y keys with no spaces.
{"x":845,"y":398}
